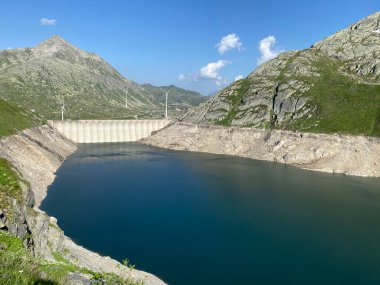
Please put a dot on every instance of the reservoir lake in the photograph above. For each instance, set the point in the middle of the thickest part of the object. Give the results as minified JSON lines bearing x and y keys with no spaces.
{"x":205,"y":219}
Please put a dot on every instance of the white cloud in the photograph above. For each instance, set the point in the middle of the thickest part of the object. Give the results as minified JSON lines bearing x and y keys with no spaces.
{"x":181,"y":77}
{"x":210,"y":71}
{"x":48,"y":22}
{"x":266,"y":49}
{"x":188,"y":77}
{"x":229,"y":42}
{"x":239,"y":77}
{"x":9,"y":47}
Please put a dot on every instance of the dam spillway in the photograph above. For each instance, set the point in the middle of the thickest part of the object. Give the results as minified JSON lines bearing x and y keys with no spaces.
{"x":105,"y":131}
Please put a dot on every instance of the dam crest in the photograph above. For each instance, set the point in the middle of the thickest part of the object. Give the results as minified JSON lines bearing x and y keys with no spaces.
{"x":105,"y":131}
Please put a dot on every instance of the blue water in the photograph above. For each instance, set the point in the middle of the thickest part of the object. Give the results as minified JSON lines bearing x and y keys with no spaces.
{"x":195,"y":219}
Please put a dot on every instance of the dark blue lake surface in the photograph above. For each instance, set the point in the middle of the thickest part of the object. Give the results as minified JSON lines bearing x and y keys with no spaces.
{"x":197,"y":219}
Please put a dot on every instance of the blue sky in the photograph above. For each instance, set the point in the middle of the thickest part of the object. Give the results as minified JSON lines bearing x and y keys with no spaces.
{"x":163,"y":41}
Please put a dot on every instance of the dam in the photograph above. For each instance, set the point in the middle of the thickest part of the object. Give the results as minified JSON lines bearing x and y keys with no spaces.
{"x":106,"y":131}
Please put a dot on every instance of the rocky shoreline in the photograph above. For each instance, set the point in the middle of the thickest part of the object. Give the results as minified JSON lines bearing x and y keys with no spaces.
{"x":333,"y":153}
{"x":36,"y":154}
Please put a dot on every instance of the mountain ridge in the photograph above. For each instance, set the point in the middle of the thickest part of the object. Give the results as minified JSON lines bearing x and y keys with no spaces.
{"x":333,"y":86}
{"x":56,"y":72}
{"x":178,"y":97}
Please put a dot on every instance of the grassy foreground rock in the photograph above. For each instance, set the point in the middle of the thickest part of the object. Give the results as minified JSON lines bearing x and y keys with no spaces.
{"x":19,"y":266}
{"x":33,"y":249}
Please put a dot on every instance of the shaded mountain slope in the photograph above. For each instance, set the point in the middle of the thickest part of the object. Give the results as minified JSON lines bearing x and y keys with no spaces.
{"x":178,"y":97}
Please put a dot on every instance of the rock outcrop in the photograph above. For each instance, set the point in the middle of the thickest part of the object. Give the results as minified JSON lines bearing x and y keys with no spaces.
{"x":36,"y":154}
{"x":327,"y":153}
{"x":331,"y":87}
{"x":357,"y":46}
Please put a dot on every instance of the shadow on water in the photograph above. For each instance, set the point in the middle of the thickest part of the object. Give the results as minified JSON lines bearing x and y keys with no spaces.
{"x":194,"y":218}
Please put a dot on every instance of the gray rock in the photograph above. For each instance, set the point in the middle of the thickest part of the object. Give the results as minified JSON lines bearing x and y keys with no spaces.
{"x":77,"y":278}
{"x":281,"y":86}
{"x":353,"y":155}
{"x":357,"y":45}
{"x":2,"y":225}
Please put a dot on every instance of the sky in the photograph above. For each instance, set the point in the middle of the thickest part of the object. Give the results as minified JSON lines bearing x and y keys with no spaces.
{"x":198,"y":45}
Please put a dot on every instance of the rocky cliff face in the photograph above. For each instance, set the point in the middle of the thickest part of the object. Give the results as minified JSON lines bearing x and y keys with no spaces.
{"x":357,"y":46}
{"x":331,"y":87}
{"x":36,"y":154}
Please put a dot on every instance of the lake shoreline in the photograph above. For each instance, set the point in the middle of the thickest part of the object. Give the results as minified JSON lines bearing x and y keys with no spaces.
{"x":331,"y":153}
{"x":176,"y":213}
{"x":37,"y":154}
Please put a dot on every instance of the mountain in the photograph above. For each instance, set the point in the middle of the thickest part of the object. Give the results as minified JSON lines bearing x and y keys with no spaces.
{"x":55,"y":71}
{"x":178,"y":98}
{"x":333,"y":86}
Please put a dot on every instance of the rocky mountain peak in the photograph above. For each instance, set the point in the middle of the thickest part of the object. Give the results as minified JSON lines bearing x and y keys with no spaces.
{"x":55,"y":70}
{"x":53,"y":45}
{"x":58,"y":47}
{"x":56,"y":39}
{"x":359,"y":41}
{"x":333,"y":86}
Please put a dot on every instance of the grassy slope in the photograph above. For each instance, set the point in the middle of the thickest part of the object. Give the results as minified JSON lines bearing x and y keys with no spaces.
{"x":235,"y":101}
{"x":13,"y":119}
{"x":177,"y":96}
{"x":9,"y":187}
{"x":343,"y":105}
{"x":91,"y":89}
{"x":18,"y":266}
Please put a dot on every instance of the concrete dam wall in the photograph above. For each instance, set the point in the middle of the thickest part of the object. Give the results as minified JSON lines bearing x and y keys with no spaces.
{"x":102,"y":131}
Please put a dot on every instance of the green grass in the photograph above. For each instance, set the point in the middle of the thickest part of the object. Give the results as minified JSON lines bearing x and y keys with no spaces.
{"x":341,"y":104}
{"x":376,"y":128}
{"x":14,"y":119}
{"x":19,"y":267}
{"x":9,"y":181}
{"x":9,"y":188}
{"x":113,"y":279}
{"x":235,"y":101}
{"x":60,"y":258}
